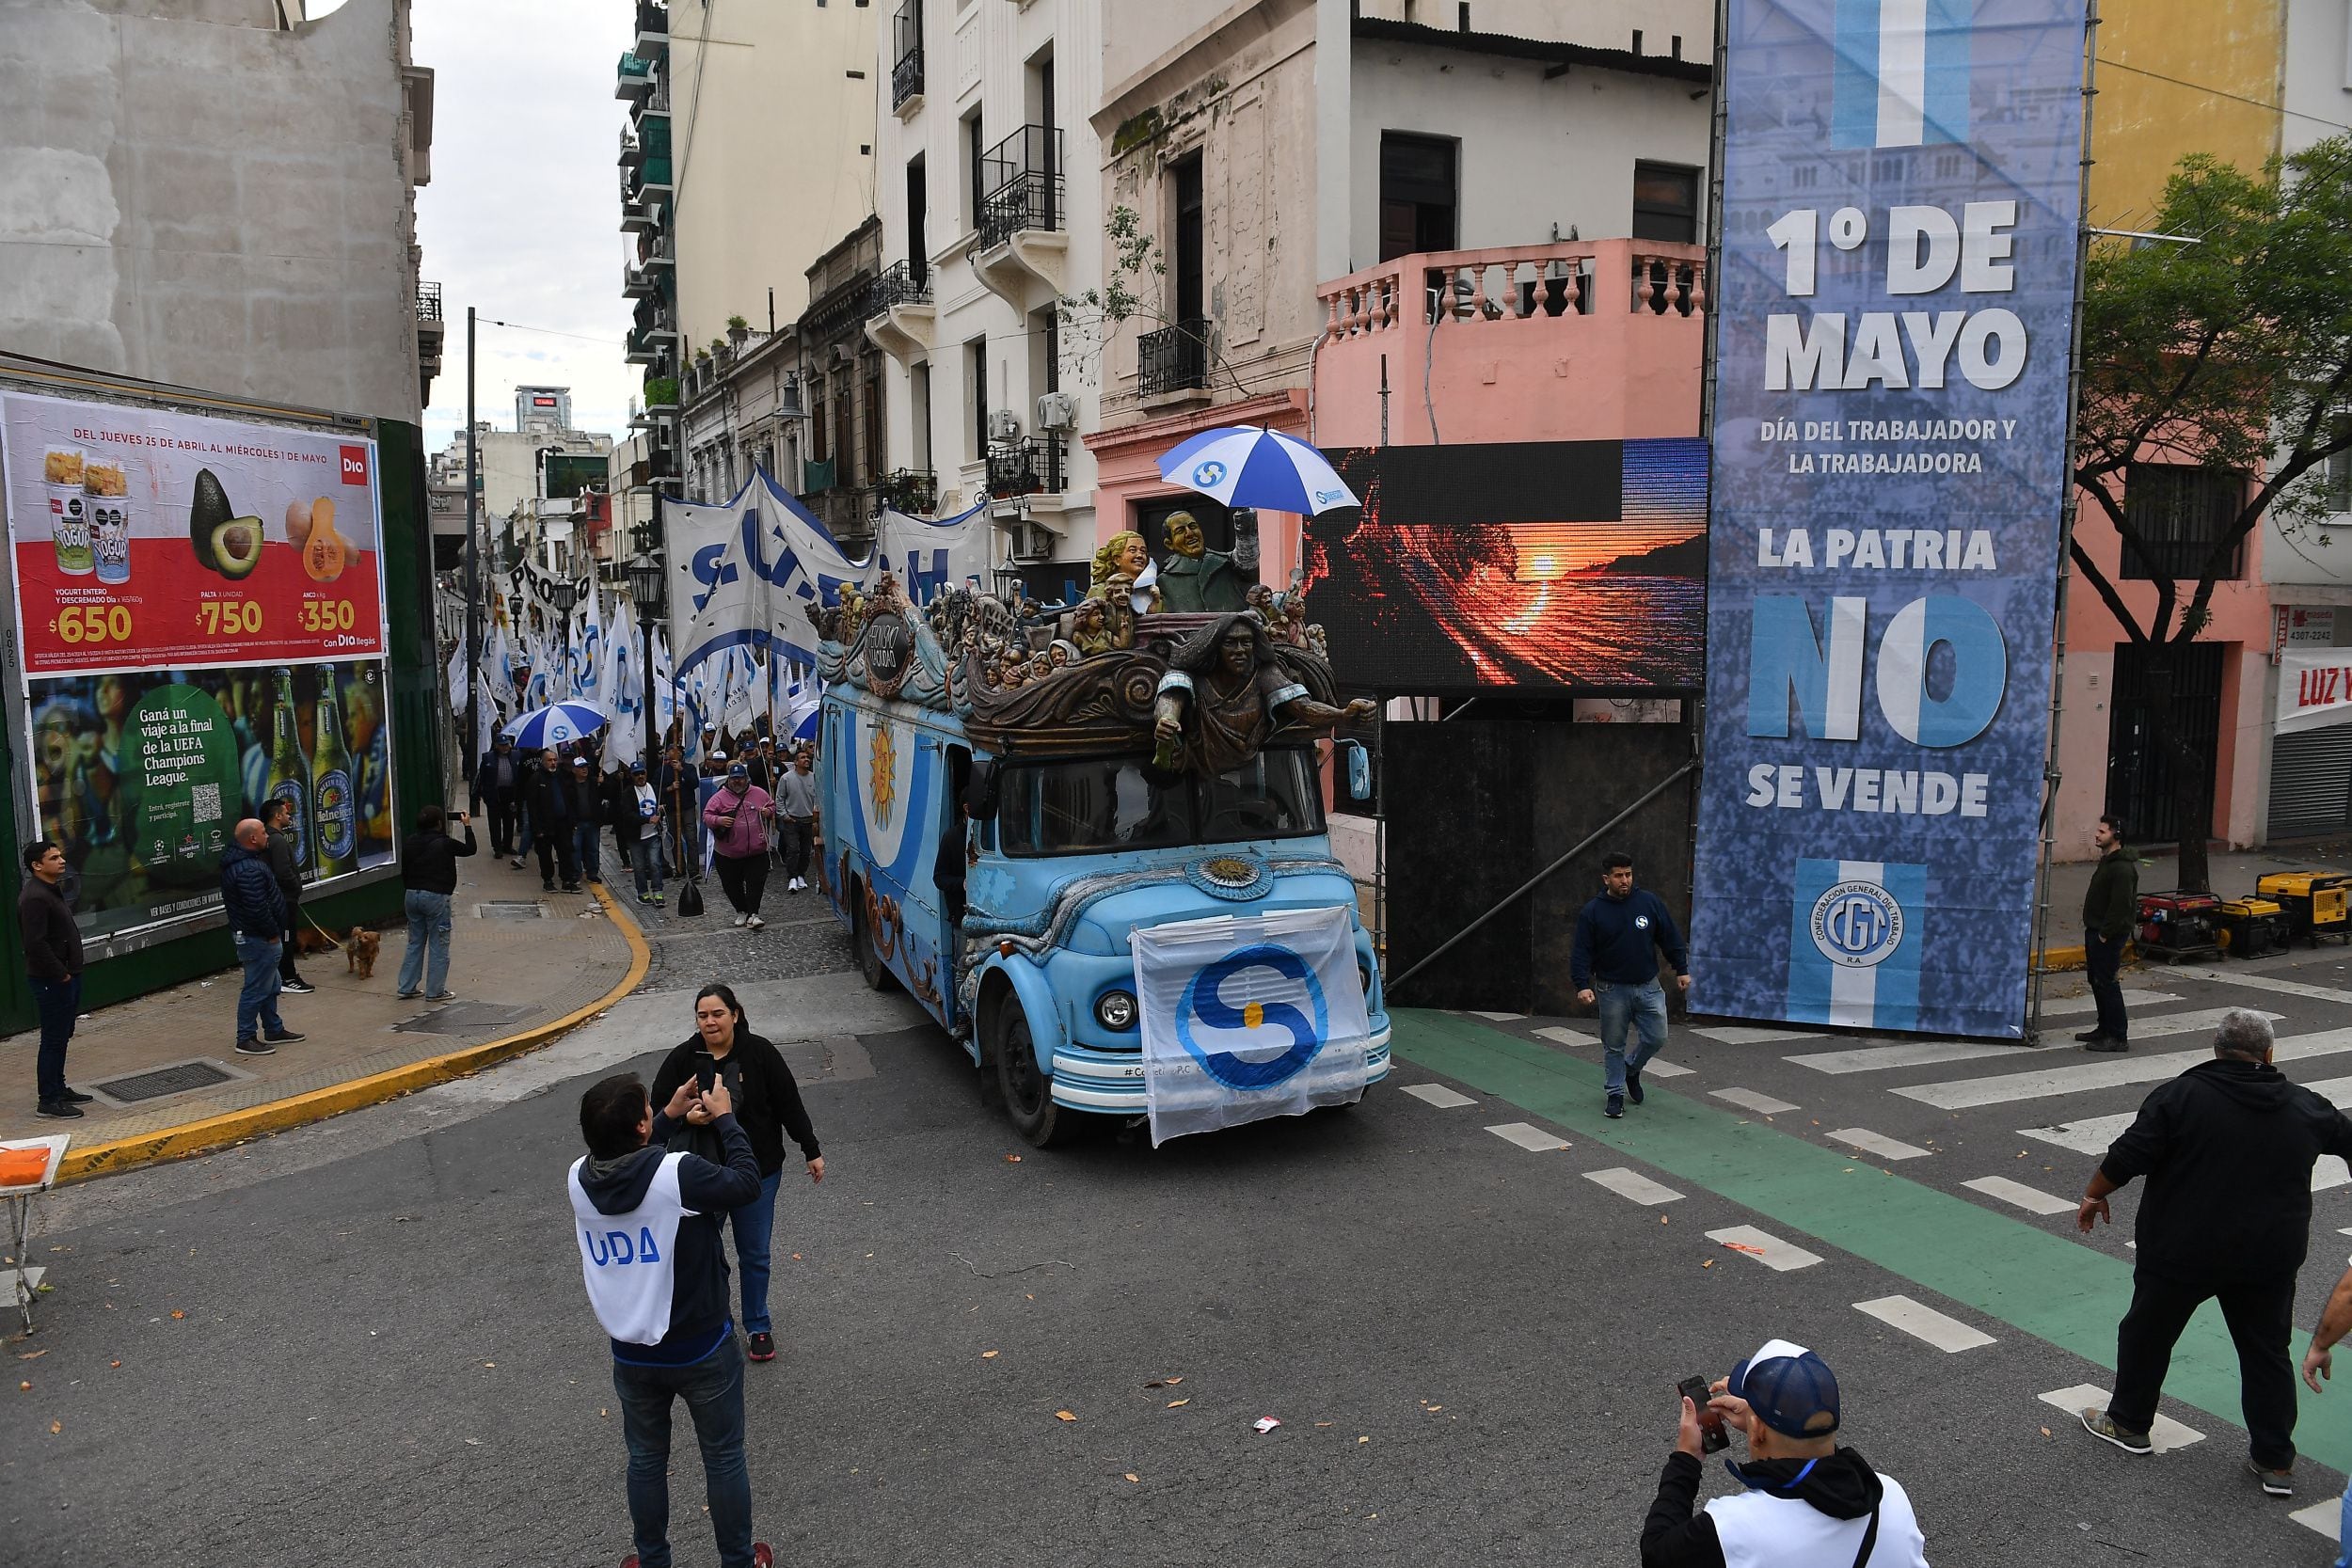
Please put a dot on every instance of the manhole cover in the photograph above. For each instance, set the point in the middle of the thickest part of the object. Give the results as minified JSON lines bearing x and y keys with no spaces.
{"x":508,"y":910}
{"x":463,"y":1018}
{"x":179,"y":1078}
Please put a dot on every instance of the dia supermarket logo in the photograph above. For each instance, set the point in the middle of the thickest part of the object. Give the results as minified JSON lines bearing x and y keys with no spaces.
{"x":355,"y":464}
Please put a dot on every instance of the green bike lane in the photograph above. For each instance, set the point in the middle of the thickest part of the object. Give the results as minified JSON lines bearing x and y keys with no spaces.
{"x":2045,"y":1285}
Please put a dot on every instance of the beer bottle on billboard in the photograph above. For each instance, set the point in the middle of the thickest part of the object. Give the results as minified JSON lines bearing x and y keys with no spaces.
{"x":289,"y":769}
{"x":334,"y":799}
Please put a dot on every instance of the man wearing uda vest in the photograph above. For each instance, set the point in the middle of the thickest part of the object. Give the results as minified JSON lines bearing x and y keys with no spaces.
{"x":1804,"y":1503}
{"x":648,"y":1227}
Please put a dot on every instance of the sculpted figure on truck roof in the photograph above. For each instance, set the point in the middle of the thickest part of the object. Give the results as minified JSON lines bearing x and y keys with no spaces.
{"x":1225,"y":693}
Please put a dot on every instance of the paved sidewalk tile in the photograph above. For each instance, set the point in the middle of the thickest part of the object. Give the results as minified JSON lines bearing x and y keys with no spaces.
{"x":528,"y":972}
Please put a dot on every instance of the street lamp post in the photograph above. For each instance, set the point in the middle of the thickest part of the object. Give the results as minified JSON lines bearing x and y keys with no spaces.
{"x":645,"y":577}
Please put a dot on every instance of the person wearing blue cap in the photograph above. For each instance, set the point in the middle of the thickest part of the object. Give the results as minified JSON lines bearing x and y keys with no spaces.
{"x":1804,"y":1501}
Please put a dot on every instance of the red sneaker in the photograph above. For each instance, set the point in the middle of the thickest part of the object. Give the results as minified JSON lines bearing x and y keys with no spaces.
{"x":763,"y":1347}
{"x":763,"y":1556}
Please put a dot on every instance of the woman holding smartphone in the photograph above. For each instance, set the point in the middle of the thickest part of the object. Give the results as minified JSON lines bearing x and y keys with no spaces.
{"x":767,"y":1104}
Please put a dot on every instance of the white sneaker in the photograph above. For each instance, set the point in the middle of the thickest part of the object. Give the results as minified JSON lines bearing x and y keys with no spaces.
{"x":740,"y":918}
{"x":756,"y":923}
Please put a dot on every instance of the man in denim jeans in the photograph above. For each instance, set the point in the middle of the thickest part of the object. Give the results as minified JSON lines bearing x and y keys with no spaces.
{"x":1618,"y":936}
{"x":257,"y":921}
{"x":428,"y":869}
{"x":648,"y":1221}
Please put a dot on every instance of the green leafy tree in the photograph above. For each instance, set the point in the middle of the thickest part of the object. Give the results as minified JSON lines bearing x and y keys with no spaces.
{"x":2228,"y":347}
{"x":1091,"y":319}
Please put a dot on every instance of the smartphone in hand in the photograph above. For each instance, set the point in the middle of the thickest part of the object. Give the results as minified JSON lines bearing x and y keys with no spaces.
{"x":1712,"y":1438}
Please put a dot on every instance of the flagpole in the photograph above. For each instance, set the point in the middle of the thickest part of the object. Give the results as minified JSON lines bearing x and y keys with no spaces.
{"x":473,"y":570}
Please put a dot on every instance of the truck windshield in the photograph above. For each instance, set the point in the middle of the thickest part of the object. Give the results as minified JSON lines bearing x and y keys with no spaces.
{"x":1076,"y":808}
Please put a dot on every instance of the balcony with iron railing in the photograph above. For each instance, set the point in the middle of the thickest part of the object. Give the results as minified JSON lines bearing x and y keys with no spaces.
{"x":906,"y":76}
{"x":899,"y":283}
{"x":1026,"y":467}
{"x":1022,"y":176}
{"x":1492,"y":332}
{"x":652,"y":106}
{"x":653,"y":30}
{"x":912,"y":491}
{"x":899,"y":311}
{"x":1174,"y":359}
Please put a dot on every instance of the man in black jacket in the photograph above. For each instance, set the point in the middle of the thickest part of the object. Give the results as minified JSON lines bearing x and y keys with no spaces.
{"x":1613,"y":961}
{"x":648,"y":1221}
{"x":257,"y":924}
{"x":497,"y":784}
{"x":2110,"y":908}
{"x":428,"y":870}
{"x":2227,"y":1149}
{"x":1806,"y":1502}
{"x":53,"y":957}
{"x":549,"y":794}
{"x":285,"y":865}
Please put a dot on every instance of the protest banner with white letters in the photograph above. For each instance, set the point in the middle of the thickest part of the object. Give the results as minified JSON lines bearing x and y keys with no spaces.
{"x":1897,"y":268}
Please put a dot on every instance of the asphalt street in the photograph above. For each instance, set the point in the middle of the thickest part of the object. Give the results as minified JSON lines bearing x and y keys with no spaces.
{"x":369,"y":1338}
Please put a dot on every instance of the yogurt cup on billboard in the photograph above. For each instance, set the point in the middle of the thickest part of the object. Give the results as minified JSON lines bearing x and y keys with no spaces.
{"x":106,"y":493}
{"x":61,"y":470}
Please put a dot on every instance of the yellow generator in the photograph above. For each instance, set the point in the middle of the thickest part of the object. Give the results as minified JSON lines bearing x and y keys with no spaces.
{"x":2253,"y":927}
{"x":2316,"y":902}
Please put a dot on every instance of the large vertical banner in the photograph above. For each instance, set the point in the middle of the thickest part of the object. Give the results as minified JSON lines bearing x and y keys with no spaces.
{"x":1901,"y":209}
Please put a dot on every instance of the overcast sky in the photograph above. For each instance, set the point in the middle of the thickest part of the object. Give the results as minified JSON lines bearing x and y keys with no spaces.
{"x":522,"y":219}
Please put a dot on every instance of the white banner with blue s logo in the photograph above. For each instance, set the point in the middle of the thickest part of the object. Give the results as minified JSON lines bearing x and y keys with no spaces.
{"x":1249,"y":1016}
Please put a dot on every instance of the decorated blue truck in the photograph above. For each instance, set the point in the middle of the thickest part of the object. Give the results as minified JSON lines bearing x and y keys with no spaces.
{"x":1091,"y":843}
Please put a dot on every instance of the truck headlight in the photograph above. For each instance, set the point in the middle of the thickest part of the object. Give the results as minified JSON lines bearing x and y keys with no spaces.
{"x":1115,"y":1010}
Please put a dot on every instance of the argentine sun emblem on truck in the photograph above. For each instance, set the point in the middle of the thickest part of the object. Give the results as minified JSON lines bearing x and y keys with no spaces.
{"x":1090,"y":841}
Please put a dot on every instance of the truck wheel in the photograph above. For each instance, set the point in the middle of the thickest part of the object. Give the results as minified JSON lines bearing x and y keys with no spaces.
{"x":1028,"y":1094}
{"x":870,"y":963}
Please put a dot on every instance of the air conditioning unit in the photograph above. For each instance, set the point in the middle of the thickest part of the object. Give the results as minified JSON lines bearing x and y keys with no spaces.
{"x":1031,"y":539}
{"x":1056,"y":411}
{"x":1003,"y":425}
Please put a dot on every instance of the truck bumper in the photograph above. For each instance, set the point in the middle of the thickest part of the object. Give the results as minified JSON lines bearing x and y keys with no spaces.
{"x":1111,"y":1082}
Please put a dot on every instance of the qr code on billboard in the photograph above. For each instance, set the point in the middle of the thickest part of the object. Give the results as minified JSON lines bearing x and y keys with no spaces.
{"x":206,"y":799}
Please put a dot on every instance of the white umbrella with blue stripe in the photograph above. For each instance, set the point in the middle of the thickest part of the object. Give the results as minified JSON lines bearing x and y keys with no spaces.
{"x":557,"y":724}
{"x":1246,"y":465}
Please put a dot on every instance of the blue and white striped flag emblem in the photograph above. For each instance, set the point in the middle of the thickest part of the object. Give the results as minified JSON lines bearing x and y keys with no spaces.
{"x":1854,"y":943}
{"x":1902,"y":73}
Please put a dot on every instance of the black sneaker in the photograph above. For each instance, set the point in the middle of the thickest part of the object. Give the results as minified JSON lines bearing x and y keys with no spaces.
{"x":2278,"y":1483}
{"x":2107,"y":1047}
{"x":2099,"y":1425}
{"x":546,"y":887}
{"x":571,"y":887}
{"x":2089,"y":1035}
{"x":58,"y":1109}
{"x":1633,"y":1087}
{"x":298,"y":987}
{"x":284,"y":1036}
{"x":74,"y":1097}
{"x":762,"y":1348}
{"x":251,"y":1047}
{"x":1615,"y":1107}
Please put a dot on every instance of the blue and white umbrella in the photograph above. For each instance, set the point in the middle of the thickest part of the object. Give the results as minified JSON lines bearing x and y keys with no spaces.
{"x":557,"y":724}
{"x":1244,"y":465}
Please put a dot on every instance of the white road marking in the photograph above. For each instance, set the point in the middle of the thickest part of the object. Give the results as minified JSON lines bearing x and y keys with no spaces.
{"x":1498,"y":1018}
{"x":1657,"y":1069}
{"x":1765,"y":1247}
{"x":1633,"y":1185}
{"x":2090,"y":1136}
{"x":2030,"y":1199}
{"x":1922,"y":1322}
{"x":2195,"y":1023}
{"x":2164,"y":1434}
{"x":2328,"y":1173}
{"x":1911,"y":1054}
{"x":2265,"y":982}
{"x":1873,"y":1143}
{"x":1439,"y":1095}
{"x":1568,"y":1037}
{"x":1742,"y":1034}
{"x":1534,"y":1139}
{"x":2325,"y":1517}
{"x":1965,"y":1093}
{"x":2091,"y":1004}
{"x":1762,"y":1104}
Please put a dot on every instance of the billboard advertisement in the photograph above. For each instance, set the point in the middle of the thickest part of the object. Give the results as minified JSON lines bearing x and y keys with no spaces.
{"x":142,"y":537}
{"x":200,"y":609}
{"x":1894,"y":297}
{"x":1540,"y":566}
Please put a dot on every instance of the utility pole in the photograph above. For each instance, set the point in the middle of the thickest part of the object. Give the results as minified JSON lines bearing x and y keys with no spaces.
{"x":473,"y":574}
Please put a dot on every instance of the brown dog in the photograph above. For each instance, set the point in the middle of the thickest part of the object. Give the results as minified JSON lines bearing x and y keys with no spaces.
{"x":359,"y":952}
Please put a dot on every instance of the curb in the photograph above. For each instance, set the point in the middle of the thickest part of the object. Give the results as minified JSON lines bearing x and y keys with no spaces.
{"x":278,"y":1115}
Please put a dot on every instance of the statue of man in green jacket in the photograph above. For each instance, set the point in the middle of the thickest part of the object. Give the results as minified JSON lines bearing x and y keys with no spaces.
{"x":1194,"y":577}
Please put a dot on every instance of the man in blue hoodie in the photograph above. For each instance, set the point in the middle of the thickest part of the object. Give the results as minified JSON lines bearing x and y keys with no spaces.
{"x":1613,"y":962}
{"x":648,"y":1224}
{"x":257,"y":923}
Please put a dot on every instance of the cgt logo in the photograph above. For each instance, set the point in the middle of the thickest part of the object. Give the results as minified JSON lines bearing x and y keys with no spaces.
{"x":1857,"y":924}
{"x":355,"y":464}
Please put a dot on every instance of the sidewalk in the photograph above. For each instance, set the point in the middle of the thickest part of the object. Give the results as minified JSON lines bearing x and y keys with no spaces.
{"x":526,"y":966}
{"x":2233,"y":876}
